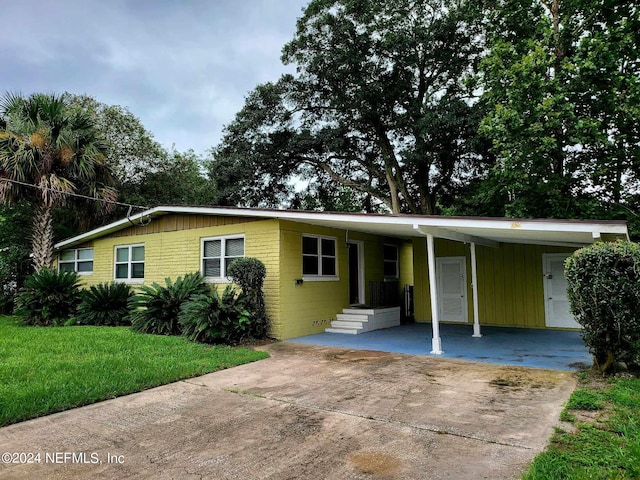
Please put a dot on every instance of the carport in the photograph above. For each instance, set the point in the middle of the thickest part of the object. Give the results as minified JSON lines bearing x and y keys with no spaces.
{"x":515,"y":279}
{"x":538,"y":348}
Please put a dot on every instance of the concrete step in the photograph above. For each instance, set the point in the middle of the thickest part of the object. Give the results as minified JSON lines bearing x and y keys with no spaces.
{"x":341,"y":324}
{"x":359,"y":311}
{"x":349,"y":331}
{"x":350,"y":317}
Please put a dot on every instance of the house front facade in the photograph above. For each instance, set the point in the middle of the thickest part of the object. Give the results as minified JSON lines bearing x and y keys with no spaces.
{"x":501,"y":272}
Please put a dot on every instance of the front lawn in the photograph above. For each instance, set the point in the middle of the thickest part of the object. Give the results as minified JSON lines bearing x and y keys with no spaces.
{"x":49,"y":369}
{"x":604,"y":442}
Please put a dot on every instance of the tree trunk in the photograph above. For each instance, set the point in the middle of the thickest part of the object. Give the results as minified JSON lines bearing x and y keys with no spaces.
{"x":559,"y":53}
{"x":393,"y":192}
{"x":42,"y":238}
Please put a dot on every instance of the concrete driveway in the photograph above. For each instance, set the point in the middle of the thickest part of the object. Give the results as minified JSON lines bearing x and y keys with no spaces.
{"x":306,"y":412}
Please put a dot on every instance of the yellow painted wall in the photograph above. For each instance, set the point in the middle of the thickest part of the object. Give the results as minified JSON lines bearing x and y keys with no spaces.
{"x":294,"y":310}
{"x":406,"y":268}
{"x":309,"y":308}
{"x":421,"y":299}
{"x":510,"y":281}
{"x":175,"y":253}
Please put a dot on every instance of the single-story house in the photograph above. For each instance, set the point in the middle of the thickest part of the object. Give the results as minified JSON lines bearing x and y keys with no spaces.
{"x":352,"y":272}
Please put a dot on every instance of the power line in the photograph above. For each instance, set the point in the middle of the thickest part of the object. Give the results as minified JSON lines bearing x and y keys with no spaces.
{"x":72,"y":194}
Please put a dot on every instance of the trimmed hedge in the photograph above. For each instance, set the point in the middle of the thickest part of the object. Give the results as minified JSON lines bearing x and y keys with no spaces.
{"x":249,"y":274}
{"x":604,"y":292}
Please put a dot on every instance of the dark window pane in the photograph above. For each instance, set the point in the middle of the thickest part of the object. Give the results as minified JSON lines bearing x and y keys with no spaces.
{"x":137,"y":270}
{"x":310,"y":245}
{"x":85,"y":266}
{"x":66,"y":267}
{"x":309,"y":265}
{"x":328,"y":247}
{"x":122,"y":271}
{"x":390,"y":269}
{"x":328,"y":266}
{"x":68,"y":255}
{"x":390,"y":252}
{"x":212,"y":267}
{"x":227,"y":262}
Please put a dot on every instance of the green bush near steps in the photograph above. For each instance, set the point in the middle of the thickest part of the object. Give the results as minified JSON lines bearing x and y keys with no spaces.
{"x":216,"y":318}
{"x":604,"y":293}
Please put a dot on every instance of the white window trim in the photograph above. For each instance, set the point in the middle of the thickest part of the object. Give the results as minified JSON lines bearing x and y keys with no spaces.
{"x":320,"y":277}
{"x":76,"y":260}
{"x":223,"y":239}
{"x":130,"y":262}
{"x":397,"y":262}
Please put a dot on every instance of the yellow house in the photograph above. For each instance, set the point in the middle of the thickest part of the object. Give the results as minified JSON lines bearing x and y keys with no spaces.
{"x":350,"y":273}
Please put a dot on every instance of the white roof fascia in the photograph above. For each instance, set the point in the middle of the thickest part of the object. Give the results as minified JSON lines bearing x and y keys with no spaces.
{"x":526,"y":225}
{"x":549,"y":243}
{"x":458,"y":237}
{"x":433,"y":224}
{"x":111,"y":227}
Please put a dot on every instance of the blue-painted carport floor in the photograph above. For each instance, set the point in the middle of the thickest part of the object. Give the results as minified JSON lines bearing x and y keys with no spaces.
{"x":539,"y":348}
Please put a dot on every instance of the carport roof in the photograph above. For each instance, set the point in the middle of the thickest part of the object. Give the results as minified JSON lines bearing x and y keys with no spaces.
{"x":480,"y":230}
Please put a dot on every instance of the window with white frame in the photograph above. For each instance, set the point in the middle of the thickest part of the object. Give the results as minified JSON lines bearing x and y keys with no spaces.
{"x":391,"y":267}
{"x":129,"y":264}
{"x":218,"y":253}
{"x":319,"y":256}
{"x":78,"y":260}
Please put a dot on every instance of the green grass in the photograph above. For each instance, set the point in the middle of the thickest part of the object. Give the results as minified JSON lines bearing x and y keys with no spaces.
{"x":604,"y":447}
{"x":49,"y":369}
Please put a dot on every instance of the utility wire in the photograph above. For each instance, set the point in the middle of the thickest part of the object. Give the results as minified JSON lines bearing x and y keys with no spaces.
{"x":71,"y":194}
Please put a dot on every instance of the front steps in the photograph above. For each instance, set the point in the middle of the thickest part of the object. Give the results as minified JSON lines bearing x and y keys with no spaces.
{"x":359,"y":320}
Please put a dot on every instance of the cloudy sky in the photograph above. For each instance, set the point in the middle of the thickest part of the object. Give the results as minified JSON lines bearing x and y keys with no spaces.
{"x":183,"y":67}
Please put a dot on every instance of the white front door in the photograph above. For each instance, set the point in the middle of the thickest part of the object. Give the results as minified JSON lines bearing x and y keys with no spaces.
{"x":556,"y":304}
{"x":451,"y":273}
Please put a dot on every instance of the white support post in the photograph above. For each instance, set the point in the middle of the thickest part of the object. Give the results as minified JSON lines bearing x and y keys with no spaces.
{"x":474,"y":287}
{"x":436,"y":342}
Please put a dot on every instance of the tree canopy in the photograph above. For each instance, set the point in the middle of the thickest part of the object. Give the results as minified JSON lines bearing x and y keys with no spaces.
{"x":146,"y":173}
{"x":563,"y":82}
{"x":378,"y":106}
{"x":512,"y":108}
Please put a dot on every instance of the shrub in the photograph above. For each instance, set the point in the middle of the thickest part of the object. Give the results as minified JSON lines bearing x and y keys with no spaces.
{"x":105,"y":304}
{"x":216,"y":318}
{"x":6,"y":304}
{"x":155,"y":309}
{"x":604,"y":292}
{"x":249,"y":274}
{"x":49,"y":297}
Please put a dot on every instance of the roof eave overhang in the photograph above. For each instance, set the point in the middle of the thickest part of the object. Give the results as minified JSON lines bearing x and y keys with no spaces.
{"x":460,"y":229}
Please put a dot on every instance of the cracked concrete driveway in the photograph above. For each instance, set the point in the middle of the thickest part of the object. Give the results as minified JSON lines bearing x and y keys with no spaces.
{"x":307,"y":412}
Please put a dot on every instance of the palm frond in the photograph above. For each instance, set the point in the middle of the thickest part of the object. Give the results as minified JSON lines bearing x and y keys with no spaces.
{"x":54,"y":189}
{"x":10,"y":102}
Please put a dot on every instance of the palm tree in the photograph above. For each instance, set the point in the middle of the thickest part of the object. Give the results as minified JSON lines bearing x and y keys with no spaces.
{"x":48,"y":151}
